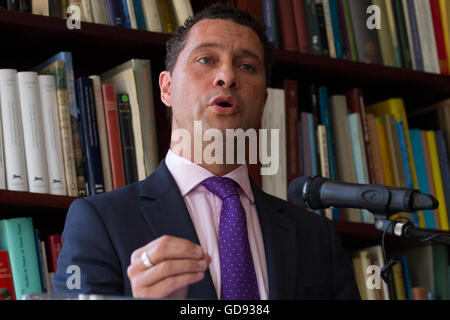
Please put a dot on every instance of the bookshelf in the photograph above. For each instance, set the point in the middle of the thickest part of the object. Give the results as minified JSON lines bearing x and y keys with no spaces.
{"x":97,"y":48}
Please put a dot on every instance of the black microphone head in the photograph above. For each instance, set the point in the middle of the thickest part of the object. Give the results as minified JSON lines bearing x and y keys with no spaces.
{"x":423,"y":201}
{"x":295,"y":191}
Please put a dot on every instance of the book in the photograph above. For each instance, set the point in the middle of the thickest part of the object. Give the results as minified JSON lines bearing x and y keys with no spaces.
{"x":33,"y":132}
{"x":40,"y":7}
{"x":113,"y":135}
{"x":439,"y":37}
{"x":52,"y":135}
{"x":322,"y":145}
{"x":182,"y":10}
{"x":384,"y":152}
{"x":322,"y":27}
{"x":375,"y":254}
{"x":102,"y":135}
{"x":53,"y":245}
{"x":89,"y":136}
{"x":312,"y":145}
{"x":325,"y":119}
{"x":419,"y":158}
{"x":312,"y":22}
{"x":65,"y":82}
{"x":146,"y":102}
{"x":99,"y":12}
{"x":292,"y":26}
{"x":6,"y":279}
{"x":444,"y":7}
{"x":17,"y":237}
{"x":404,"y":154}
{"x":37,"y":236}
{"x":394,"y":33}
{"x":292,"y":134}
{"x":440,"y":270}
{"x":406,"y":277}
{"x":402,"y":32}
{"x":413,"y":35}
{"x":115,"y":13}
{"x":350,"y":35}
{"x":167,"y":17}
{"x":393,"y":143}
{"x":329,"y":28}
{"x":306,"y":144}
{"x":366,"y":40}
{"x":127,"y":138}
{"x":437,"y":177}
{"x":270,"y":21}
{"x":399,"y":282}
{"x":14,"y":148}
{"x":442,"y":151}
{"x":126,"y":14}
{"x":376,"y":152}
{"x":385,"y":35}
{"x":2,"y":158}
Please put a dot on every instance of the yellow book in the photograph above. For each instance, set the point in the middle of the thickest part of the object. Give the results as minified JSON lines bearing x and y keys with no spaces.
{"x":444,"y":5}
{"x":435,"y":168}
{"x":399,"y":283}
{"x":384,"y":152}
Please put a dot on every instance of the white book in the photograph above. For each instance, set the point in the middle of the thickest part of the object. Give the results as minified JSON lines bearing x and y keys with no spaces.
{"x":182,"y":10}
{"x":52,"y":134}
{"x":99,"y":12}
{"x":329,"y":28}
{"x":2,"y":158}
{"x":101,"y":126}
{"x":422,"y":27}
{"x":125,"y":82}
{"x":33,"y":132}
{"x":430,"y":38}
{"x":274,"y":117}
{"x":132,"y":14}
{"x":151,"y":15}
{"x":87,"y":10}
{"x":40,"y":7}
{"x":15,"y":165}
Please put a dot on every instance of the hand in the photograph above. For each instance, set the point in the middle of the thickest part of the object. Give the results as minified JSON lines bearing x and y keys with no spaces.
{"x":176,"y":263}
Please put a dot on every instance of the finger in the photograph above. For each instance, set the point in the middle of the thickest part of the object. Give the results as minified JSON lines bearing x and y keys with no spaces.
{"x":165,"y":270}
{"x":168,"y":247}
{"x":169,"y":285}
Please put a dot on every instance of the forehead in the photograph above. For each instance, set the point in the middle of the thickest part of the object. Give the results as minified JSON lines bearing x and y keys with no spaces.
{"x":226,"y":32}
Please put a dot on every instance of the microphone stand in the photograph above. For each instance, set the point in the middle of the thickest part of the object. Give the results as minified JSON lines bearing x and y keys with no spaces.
{"x":406,"y":230}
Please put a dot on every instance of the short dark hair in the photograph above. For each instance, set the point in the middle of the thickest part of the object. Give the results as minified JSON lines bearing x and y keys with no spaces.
{"x":219,"y":10}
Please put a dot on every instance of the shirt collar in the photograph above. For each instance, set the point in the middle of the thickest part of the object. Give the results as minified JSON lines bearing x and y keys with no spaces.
{"x":188,"y":175}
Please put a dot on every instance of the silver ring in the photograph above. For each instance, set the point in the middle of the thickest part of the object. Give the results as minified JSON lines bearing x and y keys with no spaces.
{"x":145,"y":260}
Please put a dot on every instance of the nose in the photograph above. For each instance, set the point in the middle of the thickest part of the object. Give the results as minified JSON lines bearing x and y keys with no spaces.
{"x":226,"y":77}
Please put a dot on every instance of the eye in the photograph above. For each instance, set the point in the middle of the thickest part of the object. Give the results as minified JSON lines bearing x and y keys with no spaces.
{"x":247,"y":67}
{"x":205,"y":60}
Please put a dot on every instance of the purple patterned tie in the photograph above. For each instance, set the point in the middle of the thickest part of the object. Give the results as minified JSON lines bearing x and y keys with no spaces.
{"x":236,"y":262}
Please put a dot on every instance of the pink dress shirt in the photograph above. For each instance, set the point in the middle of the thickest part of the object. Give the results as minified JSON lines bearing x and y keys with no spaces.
{"x":204,"y":209}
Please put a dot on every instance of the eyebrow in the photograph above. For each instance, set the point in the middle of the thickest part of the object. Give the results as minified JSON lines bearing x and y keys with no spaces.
{"x":216,"y":45}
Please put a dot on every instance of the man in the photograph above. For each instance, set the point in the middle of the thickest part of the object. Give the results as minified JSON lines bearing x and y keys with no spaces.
{"x":167,"y":236}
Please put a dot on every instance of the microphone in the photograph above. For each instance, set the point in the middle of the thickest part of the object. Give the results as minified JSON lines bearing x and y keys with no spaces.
{"x":317,"y":192}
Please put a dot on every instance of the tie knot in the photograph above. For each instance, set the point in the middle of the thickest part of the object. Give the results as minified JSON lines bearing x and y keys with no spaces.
{"x":221,"y":186}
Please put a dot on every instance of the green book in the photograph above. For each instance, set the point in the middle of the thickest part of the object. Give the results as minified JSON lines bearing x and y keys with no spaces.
{"x":402,"y":34}
{"x":350,"y":33}
{"x":312,"y":22}
{"x":17,"y":237}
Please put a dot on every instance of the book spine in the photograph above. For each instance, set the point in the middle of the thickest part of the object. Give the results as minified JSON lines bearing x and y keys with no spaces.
{"x":350,"y":33}
{"x":291,"y":92}
{"x":103,"y":139}
{"x":323,"y":155}
{"x":87,"y":10}
{"x":336,"y":29}
{"x":55,"y":161}
{"x":394,"y":34}
{"x":2,"y":156}
{"x":322,"y":28}
{"x":288,"y":31}
{"x":6,"y":278}
{"x":269,"y":20}
{"x":14,"y":149}
{"x":151,"y":15}
{"x":326,"y":120}
{"x":413,"y":34}
{"x":39,"y":255}
{"x":25,"y":6}
{"x":439,"y":36}
{"x":385,"y":35}
{"x":40,"y":7}
{"x":329,"y":28}
{"x":47,"y":283}
{"x":312,"y":145}
{"x":99,"y":12}
{"x":441,"y":148}
{"x":384,"y":152}
{"x":167,"y":17}
{"x":401,"y":26}
{"x":444,"y":7}
{"x":140,"y":18}
{"x":315,"y":41}
{"x":33,"y":132}
{"x":132,"y":14}
{"x":127,"y":138}
{"x":53,"y":245}
{"x":17,"y":237}
{"x":182,"y":10}
{"x":307,"y":159}
{"x":114,"y":12}
{"x":374,"y":143}
{"x":113,"y":134}
{"x":89,"y":135}
{"x":126,"y":14}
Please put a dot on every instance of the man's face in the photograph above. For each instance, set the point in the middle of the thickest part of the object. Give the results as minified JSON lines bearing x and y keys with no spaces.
{"x":219,"y":78}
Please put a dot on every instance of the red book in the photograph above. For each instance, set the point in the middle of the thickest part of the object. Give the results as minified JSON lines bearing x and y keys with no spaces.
{"x":356,"y":105}
{"x":292,"y":134}
{"x":113,"y":136}
{"x":439,"y":35}
{"x":53,"y":244}
{"x":251,"y":6}
{"x":6,"y":280}
{"x":288,"y":34}
{"x":301,"y":26}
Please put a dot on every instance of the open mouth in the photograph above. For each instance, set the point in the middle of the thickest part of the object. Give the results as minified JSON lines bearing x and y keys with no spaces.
{"x":225,"y":104}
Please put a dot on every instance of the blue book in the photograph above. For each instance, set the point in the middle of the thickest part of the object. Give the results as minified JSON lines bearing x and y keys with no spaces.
{"x":126,"y":14}
{"x":442,"y":151}
{"x":422,"y":176}
{"x":17,"y":237}
{"x":269,"y":20}
{"x":324,"y":119}
{"x":336,"y":29}
{"x":414,"y":29}
{"x":139,"y":13}
{"x":115,"y":13}
{"x":37,"y":239}
{"x":89,"y":136}
{"x":406,"y":277}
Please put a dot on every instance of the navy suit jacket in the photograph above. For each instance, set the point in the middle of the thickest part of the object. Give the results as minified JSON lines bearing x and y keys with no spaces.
{"x":304,"y":257}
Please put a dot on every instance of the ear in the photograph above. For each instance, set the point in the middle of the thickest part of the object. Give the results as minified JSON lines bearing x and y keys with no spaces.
{"x":165,"y":84}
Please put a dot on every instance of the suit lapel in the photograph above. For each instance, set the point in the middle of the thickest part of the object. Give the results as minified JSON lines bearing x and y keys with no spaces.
{"x":280,"y":245}
{"x":165,"y":212}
